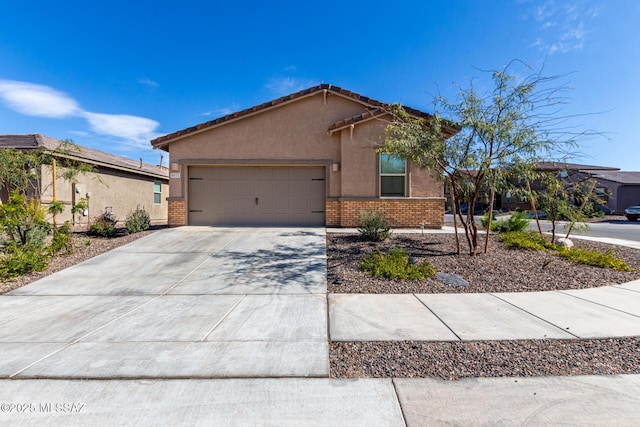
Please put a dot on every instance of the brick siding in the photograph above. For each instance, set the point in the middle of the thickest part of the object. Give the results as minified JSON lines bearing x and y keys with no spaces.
{"x":177,"y":213}
{"x":402,"y":213}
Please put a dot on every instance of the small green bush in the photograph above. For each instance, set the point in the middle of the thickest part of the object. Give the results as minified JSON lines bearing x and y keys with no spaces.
{"x":595,"y":258}
{"x":373,"y":226}
{"x":529,"y":240}
{"x":102,"y":227}
{"x":516,"y":222}
{"x":23,"y":259}
{"x":61,"y":241}
{"x":395,"y":265}
{"x":137,"y":221}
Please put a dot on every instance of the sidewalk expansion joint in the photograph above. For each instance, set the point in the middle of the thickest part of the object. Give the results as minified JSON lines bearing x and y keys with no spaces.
{"x":536,"y":316}
{"x":437,"y":317}
{"x":597,"y":303}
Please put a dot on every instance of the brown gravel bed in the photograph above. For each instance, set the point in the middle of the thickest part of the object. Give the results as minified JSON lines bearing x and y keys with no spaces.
{"x":500,"y":270}
{"x":456,"y":360}
{"x":82,"y":252}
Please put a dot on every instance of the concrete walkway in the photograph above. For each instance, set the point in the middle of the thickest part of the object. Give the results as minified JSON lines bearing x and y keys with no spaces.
{"x":206,"y":326}
{"x":610,"y":311}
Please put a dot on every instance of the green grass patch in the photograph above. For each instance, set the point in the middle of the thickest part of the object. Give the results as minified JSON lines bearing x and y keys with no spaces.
{"x":395,"y":265}
{"x":595,"y":258}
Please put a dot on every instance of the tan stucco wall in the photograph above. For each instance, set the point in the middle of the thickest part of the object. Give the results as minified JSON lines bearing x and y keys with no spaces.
{"x":297,"y":133}
{"x":119,"y":190}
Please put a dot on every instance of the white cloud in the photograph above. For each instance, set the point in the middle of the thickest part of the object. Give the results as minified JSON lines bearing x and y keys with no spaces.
{"x":148,"y":82}
{"x":562,"y":26}
{"x":37,"y":100}
{"x":222,"y":111}
{"x":284,"y":85}
{"x":43,"y":101}
{"x":130,"y":128}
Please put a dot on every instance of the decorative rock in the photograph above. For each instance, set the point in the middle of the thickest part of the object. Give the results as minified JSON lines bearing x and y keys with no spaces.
{"x":564,"y":242}
{"x":452,"y":279}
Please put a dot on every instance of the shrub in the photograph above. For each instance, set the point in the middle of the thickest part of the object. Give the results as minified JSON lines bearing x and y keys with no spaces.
{"x":22,"y":221}
{"x":373,"y":226}
{"x":103,"y":226}
{"x":395,"y":265}
{"x":61,"y":241}
{"x":23,"y":259}
{"x":137,"y":221}
{"x":516,"y":222}
{"x":595,"y":258}
{"x":529,"y":240}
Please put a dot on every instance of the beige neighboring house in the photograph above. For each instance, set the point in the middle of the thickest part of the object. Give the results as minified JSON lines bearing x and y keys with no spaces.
{"x":118,"y":184}
{"x":304,"y":159}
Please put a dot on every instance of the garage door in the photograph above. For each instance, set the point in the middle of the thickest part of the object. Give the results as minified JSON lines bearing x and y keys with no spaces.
{"x":248,"y":196}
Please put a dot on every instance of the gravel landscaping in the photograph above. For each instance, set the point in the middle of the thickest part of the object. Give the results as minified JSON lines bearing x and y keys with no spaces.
{"x":500,"y":270}
{"x":456,"y":360}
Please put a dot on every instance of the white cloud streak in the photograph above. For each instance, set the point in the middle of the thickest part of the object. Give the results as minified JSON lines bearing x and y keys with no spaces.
{"x":132,"y":128}
{"x":37,"y":100}
{"x":222,"y":111}
{"x":43,"y":101}
{"x":286,"y":85}
{"x":562,"y":25}
{"x":148,"y":82}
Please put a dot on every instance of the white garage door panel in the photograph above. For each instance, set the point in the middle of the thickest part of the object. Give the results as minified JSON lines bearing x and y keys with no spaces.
{"x":256,"y":195}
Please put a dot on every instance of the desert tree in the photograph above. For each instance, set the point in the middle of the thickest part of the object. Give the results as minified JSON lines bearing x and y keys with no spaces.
{"x":474,"y":142}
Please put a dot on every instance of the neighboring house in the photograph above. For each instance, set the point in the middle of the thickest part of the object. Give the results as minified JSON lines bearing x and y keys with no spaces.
{"x":571,"y":172}
{"x":304,"y":159}
{"x":622,"y":187}
{"x":118,"y":184}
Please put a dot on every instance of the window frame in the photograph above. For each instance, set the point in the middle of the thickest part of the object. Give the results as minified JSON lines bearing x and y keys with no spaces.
{"x":381,"y":175}
{"x":159,"y":193}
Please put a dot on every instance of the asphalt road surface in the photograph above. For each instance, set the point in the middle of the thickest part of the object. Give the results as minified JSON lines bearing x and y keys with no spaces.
{"x":617,"y":228}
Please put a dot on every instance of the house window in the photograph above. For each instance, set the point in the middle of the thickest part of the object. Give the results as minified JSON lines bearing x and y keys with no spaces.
{"x":393,"y":172}
{"x":157,"y":193}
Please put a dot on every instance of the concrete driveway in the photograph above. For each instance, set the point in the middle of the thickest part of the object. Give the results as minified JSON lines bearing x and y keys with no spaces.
{"x":190,"y":302}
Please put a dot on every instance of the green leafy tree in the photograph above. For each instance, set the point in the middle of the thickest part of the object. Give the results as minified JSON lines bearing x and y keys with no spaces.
{"x":565,"y":199}
{"x":473,"y":142}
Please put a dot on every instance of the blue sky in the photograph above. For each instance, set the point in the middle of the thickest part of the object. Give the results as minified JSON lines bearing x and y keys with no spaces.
{"x":113,"y":75}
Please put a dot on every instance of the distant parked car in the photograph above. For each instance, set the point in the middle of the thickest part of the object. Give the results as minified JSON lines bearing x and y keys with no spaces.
{"x":632,"y":213}
{"x":604,"y":209}
{"x":531,"y":215}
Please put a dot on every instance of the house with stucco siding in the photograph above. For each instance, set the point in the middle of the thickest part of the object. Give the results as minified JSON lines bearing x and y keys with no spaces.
{"x":308,"y":159}
{"x":117,"y":184}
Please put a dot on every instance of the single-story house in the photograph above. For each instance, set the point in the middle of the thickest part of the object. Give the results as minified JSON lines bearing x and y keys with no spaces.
{"x":623,"y":188}
{"x":570,"y":172}
{"x":308,"y":158}
{"x":117,"y":184}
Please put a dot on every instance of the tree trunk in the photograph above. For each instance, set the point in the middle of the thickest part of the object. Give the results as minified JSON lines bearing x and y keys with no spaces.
{"x":533,"y":207}
{"x":490,"y":219}
{"x":454,"y":211}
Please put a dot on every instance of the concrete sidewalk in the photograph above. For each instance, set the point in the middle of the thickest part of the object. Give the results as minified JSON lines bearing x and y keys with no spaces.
{"x":577,"y":401}
{"x":605,"y":312}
